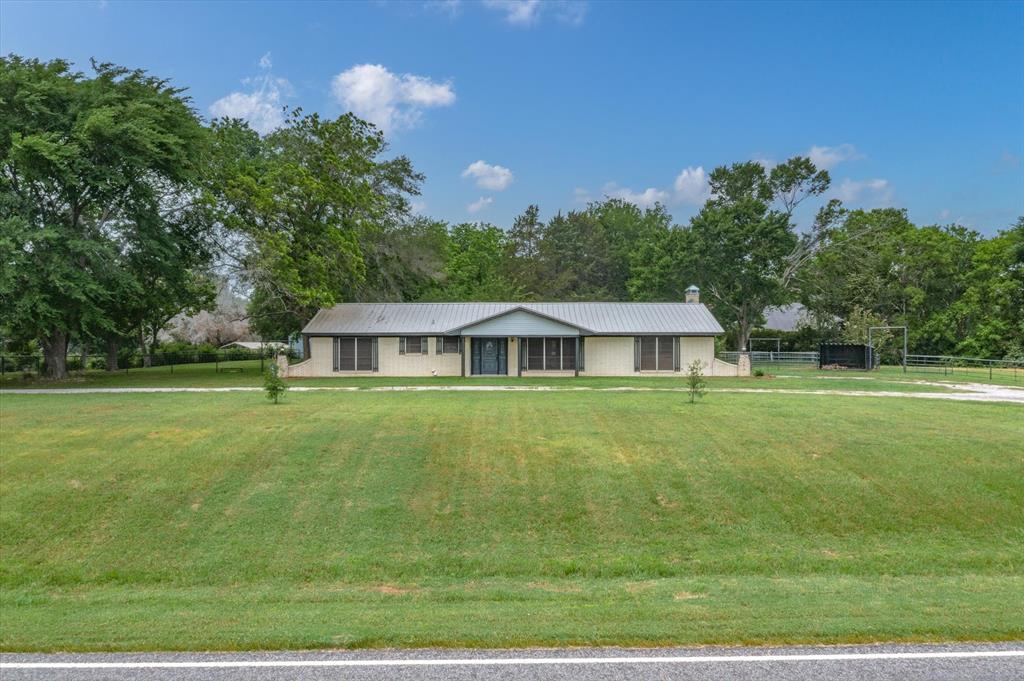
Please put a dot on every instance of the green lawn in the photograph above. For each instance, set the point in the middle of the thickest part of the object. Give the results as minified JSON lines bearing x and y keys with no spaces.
{"x":220,"y":521}
{"x":247,"y":373}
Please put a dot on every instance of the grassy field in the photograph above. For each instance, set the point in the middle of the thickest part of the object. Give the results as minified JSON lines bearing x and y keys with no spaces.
{"x":220,"y":521}
{"x":247,"y":373}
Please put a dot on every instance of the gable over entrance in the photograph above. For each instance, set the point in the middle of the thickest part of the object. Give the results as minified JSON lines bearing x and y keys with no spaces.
{"x":519,"y":322}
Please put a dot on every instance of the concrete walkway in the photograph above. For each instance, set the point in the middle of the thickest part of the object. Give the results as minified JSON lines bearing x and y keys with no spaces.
{"x":967,"y":392}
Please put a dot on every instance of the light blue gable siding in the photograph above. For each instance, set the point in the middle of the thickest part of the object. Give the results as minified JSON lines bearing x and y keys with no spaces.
{"x":520,"y":323}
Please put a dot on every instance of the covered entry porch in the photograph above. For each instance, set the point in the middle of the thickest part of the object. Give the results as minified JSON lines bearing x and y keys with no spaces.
{"x":523,"y":355}
{"x":520,"y":342}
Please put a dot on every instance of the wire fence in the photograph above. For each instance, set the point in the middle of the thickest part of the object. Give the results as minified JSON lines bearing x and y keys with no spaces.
{"x":993,"y":370}
{"x":231,"y":359}
{"x":1001,"y":370}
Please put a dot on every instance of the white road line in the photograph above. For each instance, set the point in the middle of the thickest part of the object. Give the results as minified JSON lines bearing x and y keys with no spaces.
{"x":514,"y":661}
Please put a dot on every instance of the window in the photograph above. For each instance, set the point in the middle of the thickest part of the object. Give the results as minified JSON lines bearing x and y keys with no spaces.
{"x":656,"y":353}
{"x":413,"y":345}
{"x":355,"y":354}
{"x":364,"y":354}
{"x":450,"y":344}
{"x":535,"y":354}
{"x":550,"y":354}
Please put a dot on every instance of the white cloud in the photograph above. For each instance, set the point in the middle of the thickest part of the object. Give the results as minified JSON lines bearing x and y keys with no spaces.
{"x":479,"y":204}
{"x":826,"y":158}
{"x":388,"y":100}
{"x":517,"y":12}
{"x":528,"y":12}
{"x":691,"y":186}
{"x":418,"y":207}
{"x":873,"y":193}
{"x":263,"y":106}
{"x":489,"y":176}
{"x":581,"y":195}
{"x":944,"y":214}
{"x":645,"y":199}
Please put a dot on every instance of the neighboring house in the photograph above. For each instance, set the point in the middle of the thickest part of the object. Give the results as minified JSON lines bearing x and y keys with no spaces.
{"x":785,"y":318}
{"x":256,"y":345}
{"x":514,"y":339}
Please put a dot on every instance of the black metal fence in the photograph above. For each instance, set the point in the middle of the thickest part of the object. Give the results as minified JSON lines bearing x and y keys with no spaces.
{"x":230,"y":359}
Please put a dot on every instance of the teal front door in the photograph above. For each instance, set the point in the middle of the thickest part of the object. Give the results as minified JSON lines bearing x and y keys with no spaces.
{"x":490,"y":356}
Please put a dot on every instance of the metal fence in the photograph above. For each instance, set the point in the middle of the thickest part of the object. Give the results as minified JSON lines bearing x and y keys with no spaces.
{"x":757,"y":358}
{"x":1003,"y":370}
{"x":223,"y":360}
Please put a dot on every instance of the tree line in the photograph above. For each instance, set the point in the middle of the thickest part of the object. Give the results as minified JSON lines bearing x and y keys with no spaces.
{"x":120,"y":208}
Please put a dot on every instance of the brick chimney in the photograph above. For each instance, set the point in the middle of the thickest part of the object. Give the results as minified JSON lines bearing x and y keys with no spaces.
{"x":693,"y":294}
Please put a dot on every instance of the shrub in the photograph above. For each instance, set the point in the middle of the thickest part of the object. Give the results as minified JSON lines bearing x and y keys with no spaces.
{"x":273,"y":384}
{"x":695,"y":382}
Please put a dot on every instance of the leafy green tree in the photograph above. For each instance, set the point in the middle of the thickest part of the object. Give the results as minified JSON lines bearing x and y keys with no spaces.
{"x":991,"y":309}
{"x":298,"y":207}
{"x":474,"y":266}
{"x":84,"y":162}
{"x":743,"y":249}
{"x":900,"y":273}
{"x":405,"y":261}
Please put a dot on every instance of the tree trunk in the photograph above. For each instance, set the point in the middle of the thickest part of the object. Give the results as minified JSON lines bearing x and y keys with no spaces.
{"x":55,"y":350}
{"x":744,"y":333}
{"x":147,"y":360}
{"x":84,"y":358}
{"x":112,"y":347}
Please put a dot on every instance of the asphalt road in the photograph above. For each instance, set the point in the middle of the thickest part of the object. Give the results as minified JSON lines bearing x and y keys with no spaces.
{"x":931,"y":662}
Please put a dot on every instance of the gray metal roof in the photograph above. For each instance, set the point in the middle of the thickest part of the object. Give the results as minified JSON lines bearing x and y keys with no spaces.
{"x":607,"y":319}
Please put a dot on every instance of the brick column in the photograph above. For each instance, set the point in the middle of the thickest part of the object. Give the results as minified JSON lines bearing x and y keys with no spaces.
{"x":282,"y":366}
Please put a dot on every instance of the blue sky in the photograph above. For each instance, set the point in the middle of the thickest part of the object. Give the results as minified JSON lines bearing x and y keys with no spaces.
{"x":503,"y":104}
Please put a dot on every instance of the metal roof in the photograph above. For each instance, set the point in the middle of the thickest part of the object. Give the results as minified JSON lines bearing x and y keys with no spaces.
{"x":601,"y":319}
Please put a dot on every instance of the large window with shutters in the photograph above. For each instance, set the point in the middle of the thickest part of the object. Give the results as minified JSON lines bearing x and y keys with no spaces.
{"x":355,"y":354}
{"x":550,"y":354}
{"x":413,"y":345}
{"x":656,"y":353}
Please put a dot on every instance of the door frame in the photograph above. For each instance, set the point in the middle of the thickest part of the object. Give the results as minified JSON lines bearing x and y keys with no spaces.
{"x":476,"y":356}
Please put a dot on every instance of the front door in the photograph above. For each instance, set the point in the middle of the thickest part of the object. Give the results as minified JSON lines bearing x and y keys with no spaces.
{"x":490,"y":356}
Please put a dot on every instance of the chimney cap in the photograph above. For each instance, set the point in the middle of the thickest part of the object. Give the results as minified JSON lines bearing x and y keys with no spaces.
{"x":692,"y":289}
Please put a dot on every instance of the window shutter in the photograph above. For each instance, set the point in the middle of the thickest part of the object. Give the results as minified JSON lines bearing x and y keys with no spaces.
{"x":401,"y":345}
{"x":334,"y":353}
{"x":424,"y":345}
{"x":676,"y":353}
{"x":440,"y":344}
{"x":582,"y":355}
{"x":636,"y":353}
{"x":373,"y":347}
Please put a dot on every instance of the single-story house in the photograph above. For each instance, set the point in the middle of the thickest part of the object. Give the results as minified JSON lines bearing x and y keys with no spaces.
{"x":513,"y":339}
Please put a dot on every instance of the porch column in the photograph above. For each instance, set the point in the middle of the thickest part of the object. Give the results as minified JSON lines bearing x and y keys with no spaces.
{"x":576,"y":356}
